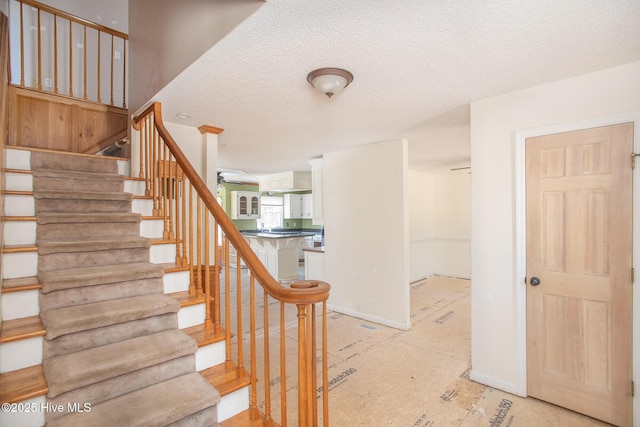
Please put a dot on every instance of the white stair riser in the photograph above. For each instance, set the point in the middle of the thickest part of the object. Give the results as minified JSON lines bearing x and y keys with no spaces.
{"x":152,"y":228}
{"x":124,"y":168}
{"x":176,"y":282}
{"x":164,"y":253}
{"x":31,"y":415}
{"x":142,"y":206}
{"x":18,"y":159}
{"x":18,"y":181}
{"x":233,"y":403}
{"x":20,"y":354}
{"x":137,"y":188}
{"x":210,"y":355}
{"x":16,"y":305}
{"x":19,"y":233}
{"x":191,"y":315}
{"x":20,"y":264}
{"x":18,"y":205}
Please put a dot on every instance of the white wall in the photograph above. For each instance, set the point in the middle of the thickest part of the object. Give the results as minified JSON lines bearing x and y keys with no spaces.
{"x":498,"y":341}
{"x":452,"y":224}
{"x":421,"y":225}
{"x":440,"y":224}
{"x":366,"y":218}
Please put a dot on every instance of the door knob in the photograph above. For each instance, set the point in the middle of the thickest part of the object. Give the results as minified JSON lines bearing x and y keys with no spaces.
{"x":534,"y":281}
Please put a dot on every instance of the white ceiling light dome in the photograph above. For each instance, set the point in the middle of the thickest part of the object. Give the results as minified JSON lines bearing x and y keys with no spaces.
{"x":330,"y":81}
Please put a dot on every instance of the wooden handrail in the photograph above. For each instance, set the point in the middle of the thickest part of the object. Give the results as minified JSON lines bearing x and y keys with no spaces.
{"x":301,"y":292}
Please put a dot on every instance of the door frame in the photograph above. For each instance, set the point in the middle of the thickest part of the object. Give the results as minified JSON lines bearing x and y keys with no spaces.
{"x":520,"y":240}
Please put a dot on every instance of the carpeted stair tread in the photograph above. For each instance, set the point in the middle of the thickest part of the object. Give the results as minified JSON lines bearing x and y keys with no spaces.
{"x":178,"y":397}
{"x":90,"y":217}
{"x":108,"y":335}
{"x":77,"y":175}
{"x":65,"y":161}
{"x":83,"y":195}
{"x":78,"y":318}
{"x":46,"y":247}
{"x":99,"y":275}
{"x":82,"y":368}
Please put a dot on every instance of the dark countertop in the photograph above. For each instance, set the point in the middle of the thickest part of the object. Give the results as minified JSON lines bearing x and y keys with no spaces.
{"x":281,"y":234}
{"x":319,"y":249}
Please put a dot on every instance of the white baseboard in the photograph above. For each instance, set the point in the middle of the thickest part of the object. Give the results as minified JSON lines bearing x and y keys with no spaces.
{"x":374,"y":319}
{"x":497,"y":384}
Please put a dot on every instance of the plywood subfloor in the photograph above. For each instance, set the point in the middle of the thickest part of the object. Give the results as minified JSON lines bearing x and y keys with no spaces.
{"x":380,"y":376}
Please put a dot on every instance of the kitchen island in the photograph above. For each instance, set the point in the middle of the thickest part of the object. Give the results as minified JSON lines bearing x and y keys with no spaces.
{"x":278,"y":251}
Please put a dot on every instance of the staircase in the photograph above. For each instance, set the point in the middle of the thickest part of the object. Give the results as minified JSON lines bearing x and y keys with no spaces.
{"x":99,"y":326}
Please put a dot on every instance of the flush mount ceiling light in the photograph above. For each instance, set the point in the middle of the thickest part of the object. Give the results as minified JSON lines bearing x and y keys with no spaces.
{"x":330,"y":80}
{"x":183,"y":115}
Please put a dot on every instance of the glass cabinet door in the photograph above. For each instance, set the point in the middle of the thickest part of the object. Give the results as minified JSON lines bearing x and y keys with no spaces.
{"x":243,"y":208}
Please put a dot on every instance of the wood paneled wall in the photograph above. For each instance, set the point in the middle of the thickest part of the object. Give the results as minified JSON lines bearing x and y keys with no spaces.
{"x":41,"y":120}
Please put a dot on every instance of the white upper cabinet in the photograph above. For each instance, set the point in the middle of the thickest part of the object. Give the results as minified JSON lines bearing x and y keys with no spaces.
{"x":245,"y":205}
{"x":286,"y":181}
{"x":298,"y":206}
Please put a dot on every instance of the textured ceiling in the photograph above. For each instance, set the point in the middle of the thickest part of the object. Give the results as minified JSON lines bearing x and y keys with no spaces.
{"x":417,"y":66}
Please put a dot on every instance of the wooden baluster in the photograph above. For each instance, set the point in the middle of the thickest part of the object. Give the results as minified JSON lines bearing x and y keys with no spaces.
{"x":170,"y":193}
{"x":313,"y":365}
{"x":198,"y":246}
{"x":303,"y":371}
{"x":124,"y":74}
{"x":21,"y":44}
{"x":99,"y":99}
{"x":283,"y":368}
{"x":154,"y":188}
{"x":227,"y":302}
{"x":38,"y":31}
{"x":141,"y":154}
{"x":239,"y":311}
{"x":150,"y":169}
{"x":325,"y":368}
{"x":192,"y":281}
{"x":253,"y":398}
{"x":112,"y":63}
{"x":70,"y":58}
{"x":267,"y":372}
{"x":216,"y":304}
{"x":55,"y":54}
{"x":84,"y":63}
{"x":184,"y":260}
{"x":207,"y":273}
{"x":165,"y":190}
{"x":177,"y":194}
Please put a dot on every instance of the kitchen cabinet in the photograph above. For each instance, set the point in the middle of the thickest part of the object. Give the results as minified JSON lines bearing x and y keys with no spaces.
{"x":286,"y":181}
{"x":313,"y":264}
{"x":298,"y":206}
{"x":245,"y":204}
{"x":278,"y":254}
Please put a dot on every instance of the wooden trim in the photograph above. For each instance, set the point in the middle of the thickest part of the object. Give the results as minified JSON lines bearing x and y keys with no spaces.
{"x":210,"y":129}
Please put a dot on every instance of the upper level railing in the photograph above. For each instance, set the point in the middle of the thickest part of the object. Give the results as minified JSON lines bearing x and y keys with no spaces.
{"x":53,"y":51}
{"x":203,"y":235}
